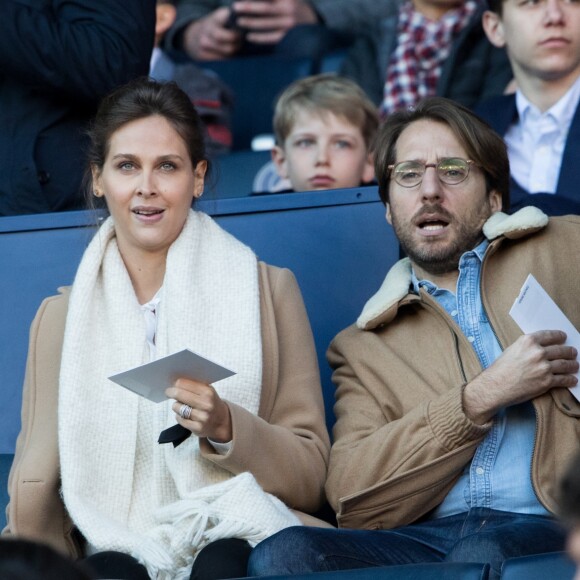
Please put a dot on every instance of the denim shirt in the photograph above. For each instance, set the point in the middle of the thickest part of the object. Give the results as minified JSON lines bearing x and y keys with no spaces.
{"x":499,"y":475}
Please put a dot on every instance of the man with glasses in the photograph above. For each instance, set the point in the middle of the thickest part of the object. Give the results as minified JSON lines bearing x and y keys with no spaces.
{"x":541,"y":122}
{"x":452,"y":428}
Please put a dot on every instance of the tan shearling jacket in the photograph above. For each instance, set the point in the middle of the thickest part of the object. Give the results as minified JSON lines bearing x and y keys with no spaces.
{"x":285,"y":447}
{"x":401,"y":439}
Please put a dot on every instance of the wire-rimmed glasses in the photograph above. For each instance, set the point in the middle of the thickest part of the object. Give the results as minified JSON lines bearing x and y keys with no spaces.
{"x":450,"y":170}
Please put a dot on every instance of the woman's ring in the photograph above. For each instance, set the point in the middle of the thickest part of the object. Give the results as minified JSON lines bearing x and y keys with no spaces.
{"x":185,"y":411}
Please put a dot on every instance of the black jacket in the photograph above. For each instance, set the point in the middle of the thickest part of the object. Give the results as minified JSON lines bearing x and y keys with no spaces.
{"x":57,"y":59}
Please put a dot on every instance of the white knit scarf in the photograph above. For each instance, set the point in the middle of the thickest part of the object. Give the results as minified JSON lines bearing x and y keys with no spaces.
{"x":124,"y":491}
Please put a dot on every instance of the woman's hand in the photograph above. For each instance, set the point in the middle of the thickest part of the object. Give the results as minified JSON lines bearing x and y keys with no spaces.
{"x":210,"y":415}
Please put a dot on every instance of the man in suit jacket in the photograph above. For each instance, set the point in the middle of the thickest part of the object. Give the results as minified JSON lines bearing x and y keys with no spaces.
{"x":57,"y":59}
{"x":541,"y":122}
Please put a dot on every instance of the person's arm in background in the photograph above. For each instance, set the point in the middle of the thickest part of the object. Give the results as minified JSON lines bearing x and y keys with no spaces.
{"x":200,"y":30}
{"x":268,"y":21}
{"x":78,"y":48}
{"x":199,"y":27}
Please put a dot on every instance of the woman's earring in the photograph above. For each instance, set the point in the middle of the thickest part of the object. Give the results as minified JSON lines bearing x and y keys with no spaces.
{"x":97,"y":193}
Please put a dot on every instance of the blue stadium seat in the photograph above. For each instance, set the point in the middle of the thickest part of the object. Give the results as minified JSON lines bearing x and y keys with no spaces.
{"x":234,"y":174}
{"x":5,"y":463}
{"x":552,"y":566}
{"x":256,"y":82}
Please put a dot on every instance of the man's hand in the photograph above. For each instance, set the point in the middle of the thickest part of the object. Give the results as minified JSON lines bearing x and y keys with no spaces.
{"x":210,"y":415}
{"x":532,"y":365}
{"x":268,"y":21}
{"x":209,"y":39}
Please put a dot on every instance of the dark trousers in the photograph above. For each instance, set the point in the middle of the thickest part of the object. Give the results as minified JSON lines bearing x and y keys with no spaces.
{"x":226,"y":558}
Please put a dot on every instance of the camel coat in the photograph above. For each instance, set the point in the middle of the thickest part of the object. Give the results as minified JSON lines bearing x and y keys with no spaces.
{"x":285,"y":447}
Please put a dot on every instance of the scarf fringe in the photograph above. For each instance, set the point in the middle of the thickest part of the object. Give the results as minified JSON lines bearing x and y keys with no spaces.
{"x":156,"y":559}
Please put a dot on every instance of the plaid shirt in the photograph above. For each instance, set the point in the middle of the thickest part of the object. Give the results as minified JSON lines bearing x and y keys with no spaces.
{"x":422,"y":47}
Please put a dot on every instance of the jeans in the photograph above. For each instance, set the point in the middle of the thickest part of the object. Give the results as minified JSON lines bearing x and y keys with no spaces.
{"x":480,"y":535}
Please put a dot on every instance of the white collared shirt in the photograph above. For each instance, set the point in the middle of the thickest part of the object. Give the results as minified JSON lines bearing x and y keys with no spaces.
{"x":537,"y":140}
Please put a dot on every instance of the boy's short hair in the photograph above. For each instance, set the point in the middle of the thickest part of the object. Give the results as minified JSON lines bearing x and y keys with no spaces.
{"x":322,"y":94}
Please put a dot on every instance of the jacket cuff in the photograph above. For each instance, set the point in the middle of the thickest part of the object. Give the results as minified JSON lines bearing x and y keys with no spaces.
{"x":449,"y":422}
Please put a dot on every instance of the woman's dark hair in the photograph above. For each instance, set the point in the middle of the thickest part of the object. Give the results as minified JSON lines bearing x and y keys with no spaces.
{"x":139,"y":99}
{"x":481,"y":143}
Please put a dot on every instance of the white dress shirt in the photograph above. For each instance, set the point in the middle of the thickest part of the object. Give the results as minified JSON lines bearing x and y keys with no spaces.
{"x":536,"y":141}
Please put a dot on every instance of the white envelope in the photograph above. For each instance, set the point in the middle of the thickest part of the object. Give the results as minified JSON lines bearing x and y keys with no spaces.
{"x":535,"y":310}
{"x":150,"y":380}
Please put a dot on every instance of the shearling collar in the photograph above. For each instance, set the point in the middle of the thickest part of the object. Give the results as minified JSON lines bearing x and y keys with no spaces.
{"x":382,"y":307}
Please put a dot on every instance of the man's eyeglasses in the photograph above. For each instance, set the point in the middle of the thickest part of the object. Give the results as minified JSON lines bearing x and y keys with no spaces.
{"x":451,"y":170}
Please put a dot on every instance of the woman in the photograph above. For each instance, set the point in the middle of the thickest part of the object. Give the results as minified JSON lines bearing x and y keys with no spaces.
{"x":159,"y":277}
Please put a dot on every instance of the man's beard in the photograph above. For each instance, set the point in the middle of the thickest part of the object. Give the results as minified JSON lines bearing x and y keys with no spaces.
{"x":434,"y":257}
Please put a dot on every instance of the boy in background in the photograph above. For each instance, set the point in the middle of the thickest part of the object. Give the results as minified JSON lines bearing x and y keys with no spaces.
{"x":324,"y":127}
